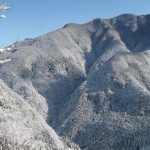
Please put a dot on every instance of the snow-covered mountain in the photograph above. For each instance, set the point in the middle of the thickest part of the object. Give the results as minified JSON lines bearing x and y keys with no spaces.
{"x":22,"y":128}
{"x":90,"y":82}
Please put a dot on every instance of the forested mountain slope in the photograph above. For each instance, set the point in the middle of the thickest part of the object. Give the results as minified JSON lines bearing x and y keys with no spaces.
{"x":90,"y":82}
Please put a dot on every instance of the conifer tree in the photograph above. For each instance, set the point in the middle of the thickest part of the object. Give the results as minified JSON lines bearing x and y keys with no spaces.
{"x":4,"y":7}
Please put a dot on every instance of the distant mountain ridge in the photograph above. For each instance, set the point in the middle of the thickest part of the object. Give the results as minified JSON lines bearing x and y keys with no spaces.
{"x":90,"y":82}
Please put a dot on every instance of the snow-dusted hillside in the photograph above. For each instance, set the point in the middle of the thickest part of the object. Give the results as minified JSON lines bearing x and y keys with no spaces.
{"x":21,"y":127}
{"x":89,"y":82}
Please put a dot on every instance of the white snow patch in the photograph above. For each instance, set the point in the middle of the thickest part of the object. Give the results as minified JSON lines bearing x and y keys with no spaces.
{"x":6,"y":48}
{"x":4,"y":61}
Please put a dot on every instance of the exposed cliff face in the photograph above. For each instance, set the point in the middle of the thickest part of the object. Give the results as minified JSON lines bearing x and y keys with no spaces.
{"x":90,"y":82}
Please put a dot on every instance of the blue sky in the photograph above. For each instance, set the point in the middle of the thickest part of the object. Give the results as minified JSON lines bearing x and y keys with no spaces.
{"x":32,"y":18}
